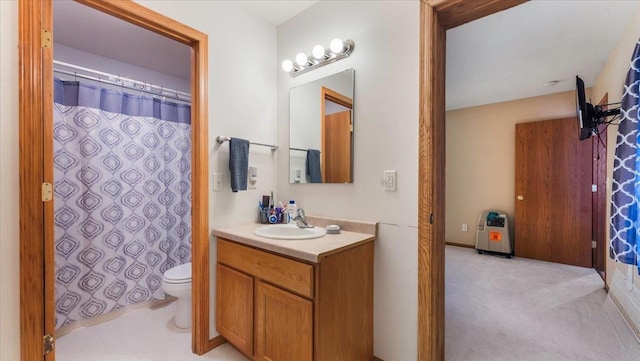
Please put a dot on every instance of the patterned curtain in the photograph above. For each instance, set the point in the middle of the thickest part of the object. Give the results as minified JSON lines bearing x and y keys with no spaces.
{"x":122,"y":183}
{"x":625,"y":220}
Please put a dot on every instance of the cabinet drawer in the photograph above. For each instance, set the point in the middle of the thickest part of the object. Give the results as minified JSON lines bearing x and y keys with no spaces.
{"x":284,"y":272}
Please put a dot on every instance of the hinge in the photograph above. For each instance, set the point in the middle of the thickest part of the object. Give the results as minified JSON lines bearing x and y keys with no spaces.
{"x":431,"y":218}
{"x":45,"y":38}
{"x":594,"y":188}
{"x":47,"y":192}
{"x":48,"y":343}
{"x":594,"y":244}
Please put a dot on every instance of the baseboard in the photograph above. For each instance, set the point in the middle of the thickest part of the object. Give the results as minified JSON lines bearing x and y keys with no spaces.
{"x":460,"y":245}
{"x":377,"y":359}
{"x":216,"y":341}
{"x":627,"y":301}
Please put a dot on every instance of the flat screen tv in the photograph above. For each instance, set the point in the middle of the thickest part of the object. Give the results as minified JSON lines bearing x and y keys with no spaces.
{"x":585,"y":114}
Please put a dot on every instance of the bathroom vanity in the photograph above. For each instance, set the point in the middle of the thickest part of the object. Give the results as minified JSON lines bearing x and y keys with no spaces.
{"x":297,"y":300}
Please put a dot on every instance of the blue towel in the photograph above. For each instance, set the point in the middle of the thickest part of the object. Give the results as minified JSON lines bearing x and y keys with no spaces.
{"x":313,"y":166}
{"x":238,"y":163}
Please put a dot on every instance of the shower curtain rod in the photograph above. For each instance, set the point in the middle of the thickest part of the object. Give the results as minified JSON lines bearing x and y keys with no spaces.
{"x":123,"y":81}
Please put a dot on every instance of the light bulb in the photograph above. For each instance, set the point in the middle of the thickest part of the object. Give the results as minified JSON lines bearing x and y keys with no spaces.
{"x":287,"y":65}
{"x":301,"y":59}
{"x":336,"y":45}
{"x":318,"y":52}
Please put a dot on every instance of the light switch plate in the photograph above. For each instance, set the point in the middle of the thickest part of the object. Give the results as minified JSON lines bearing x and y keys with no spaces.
{"x":216,"y":181}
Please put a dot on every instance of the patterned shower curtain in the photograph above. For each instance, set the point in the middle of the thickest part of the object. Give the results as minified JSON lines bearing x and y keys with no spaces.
{"x":122,"y":197}
{"x":625,"y":219}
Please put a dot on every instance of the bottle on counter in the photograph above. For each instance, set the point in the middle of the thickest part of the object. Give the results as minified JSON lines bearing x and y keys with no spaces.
{"x":292,"y":211}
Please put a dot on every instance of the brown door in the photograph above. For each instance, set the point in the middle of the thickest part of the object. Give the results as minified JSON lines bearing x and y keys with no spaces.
{"x":553,"y":193}
{"x":599,"y":200}
{"x":234,"y":313}
{"x":337,"y":147}
{"x":283,"y":325}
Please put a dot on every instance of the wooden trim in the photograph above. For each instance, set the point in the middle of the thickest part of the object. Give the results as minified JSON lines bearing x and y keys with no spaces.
{"x":460,"y":245}
{"x":328,"y":94}
{"x":30,"y":81}
{"x":436,"y":16}
{"x":139,"y":15}
{"x":36,"y":119}
{"x":454,"y":13}
{"x":431,"y":188}
{"x":47,"y":166}
{"x":323,"y":136}
{"x":216,"y":341}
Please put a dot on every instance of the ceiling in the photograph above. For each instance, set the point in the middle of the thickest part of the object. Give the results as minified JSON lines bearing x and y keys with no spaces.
{"x":276,"y":12}
{"x":81,"y":27}
{"x":505,"y":56}
{"x":511,"y":54}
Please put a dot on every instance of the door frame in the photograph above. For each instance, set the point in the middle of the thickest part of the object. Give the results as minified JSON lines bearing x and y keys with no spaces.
{"x":436,"y":16}
{"x":345,"y":101}
{"x":35,"y":82}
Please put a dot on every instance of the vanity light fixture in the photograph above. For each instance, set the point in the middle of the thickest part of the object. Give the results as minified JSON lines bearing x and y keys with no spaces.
{"x":320,"y":56}
{"x":301,"y":59}
{"x":287,"y":65}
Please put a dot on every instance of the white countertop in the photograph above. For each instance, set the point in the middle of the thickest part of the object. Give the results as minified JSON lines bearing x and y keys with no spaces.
{"x":311,"y":250}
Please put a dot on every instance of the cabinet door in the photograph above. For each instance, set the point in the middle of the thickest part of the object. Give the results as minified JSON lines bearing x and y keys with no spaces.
{"x":283,"y":325}
{"x":234,"y":308}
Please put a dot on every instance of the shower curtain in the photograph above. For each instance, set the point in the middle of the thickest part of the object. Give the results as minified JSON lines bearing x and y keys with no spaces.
{"x":122,"y":197}
{"x":625,"y":219}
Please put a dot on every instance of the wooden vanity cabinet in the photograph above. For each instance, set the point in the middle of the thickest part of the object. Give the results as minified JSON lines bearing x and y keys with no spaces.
{"x":234,"y":295}
{"x":275,"y":308}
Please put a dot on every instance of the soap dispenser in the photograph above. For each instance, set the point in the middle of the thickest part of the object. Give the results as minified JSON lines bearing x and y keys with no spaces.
{"x":292,"y":210}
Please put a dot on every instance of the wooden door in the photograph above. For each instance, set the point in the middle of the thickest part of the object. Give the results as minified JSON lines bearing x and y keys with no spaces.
{"x":234,"y":308}
{"x":599,"y":200}
{"x":283,"y":325}
{"x":337,"y":147}
{"x":553,"y":193}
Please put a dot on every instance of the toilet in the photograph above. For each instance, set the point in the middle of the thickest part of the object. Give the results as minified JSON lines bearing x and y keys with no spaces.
{"x":177,"y":282}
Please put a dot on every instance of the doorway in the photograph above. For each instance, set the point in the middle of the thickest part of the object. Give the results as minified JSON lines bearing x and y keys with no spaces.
{"x":337,"y":136}
{"x":36,"y":148}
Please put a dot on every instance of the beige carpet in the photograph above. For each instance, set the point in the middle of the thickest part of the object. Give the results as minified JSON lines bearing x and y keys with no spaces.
{"x":521,"y":309}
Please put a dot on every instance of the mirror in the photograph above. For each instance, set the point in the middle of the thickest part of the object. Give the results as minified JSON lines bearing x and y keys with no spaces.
{"x":321,"y":130}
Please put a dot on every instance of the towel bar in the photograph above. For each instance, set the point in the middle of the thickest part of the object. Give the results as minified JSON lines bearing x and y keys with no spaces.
{"x":299,"y":149}
{"x":222,"y":139}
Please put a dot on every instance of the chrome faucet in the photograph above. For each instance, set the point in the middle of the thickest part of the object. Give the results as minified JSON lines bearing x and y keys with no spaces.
{"x":301,"y":219}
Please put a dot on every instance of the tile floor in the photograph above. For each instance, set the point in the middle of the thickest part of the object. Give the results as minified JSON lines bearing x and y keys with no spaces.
{"x":141,"y":335}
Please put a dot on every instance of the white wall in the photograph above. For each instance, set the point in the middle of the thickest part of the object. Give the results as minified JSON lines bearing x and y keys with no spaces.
{"x":242,"y":102}
{"x":481,"y":156}
{"x":85,"y":59}
{"x":9,"y":206}
{"x":385,"y":60}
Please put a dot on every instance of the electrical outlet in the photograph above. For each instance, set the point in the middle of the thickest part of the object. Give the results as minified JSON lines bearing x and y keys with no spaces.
{"x":390,"y":177}
{"x":465,"y":227}
{"x":216,"y":180}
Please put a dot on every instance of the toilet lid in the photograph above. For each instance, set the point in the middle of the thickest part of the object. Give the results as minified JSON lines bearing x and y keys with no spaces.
{"x":178,"y":274}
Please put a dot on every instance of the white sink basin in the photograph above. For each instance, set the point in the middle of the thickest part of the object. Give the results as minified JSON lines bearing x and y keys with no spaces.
{"x":289,"y":231}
